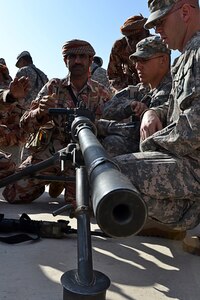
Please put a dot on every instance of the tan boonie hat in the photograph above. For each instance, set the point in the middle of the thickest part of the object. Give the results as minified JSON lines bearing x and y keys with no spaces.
{"x":150,"y":46}
{"x":159,"y":8}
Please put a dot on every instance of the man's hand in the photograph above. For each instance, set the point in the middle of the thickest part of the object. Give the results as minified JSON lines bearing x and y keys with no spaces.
{"x":138,"y":108}
{"x":19,"y":87}
{"x":45,"y":103}
{"x":150,"y":124}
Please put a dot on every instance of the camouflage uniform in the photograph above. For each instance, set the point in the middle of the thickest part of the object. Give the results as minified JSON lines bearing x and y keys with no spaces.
{"x":92,"y":96}
{"x":37,"y":78}
{"x":7,"y":166}
{"x":99,"y":75}
{"x":167,"y":172}
{"x":121,"y":72}
{"x":11,"y":142}
{"x":124,"y":137}
{"x":5,"y":78}
{"x":12,"y":137}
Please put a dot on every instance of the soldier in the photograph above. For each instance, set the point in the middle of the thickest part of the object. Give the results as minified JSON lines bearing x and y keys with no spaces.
{"x":37,"y":78}
{"x":121,"y":72}
{"x":167,"y":171}
{"x":5,"y":78}
{"x":49,"y":134}
{"x":8,"y":99}
{"x":152,"y":62}
{"x":11,"y":118}
{"x":98,"y":73}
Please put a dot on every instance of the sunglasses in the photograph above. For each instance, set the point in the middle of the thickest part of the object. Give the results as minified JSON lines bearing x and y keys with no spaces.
{"x":143,"y":61}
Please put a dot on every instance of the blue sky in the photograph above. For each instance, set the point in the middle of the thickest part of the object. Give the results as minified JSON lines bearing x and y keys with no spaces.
{"x":42,"y":26}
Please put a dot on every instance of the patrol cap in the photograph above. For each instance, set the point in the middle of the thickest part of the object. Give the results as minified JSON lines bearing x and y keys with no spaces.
{"x":22,"y":54}
{"x":2,"y":61}
{"x":159,"y":9}
{"x":150,"y":46}
{"x":98,"y":60}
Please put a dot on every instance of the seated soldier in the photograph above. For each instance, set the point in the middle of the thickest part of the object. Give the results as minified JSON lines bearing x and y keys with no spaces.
{"x":8,"y":99}
{"x":77,"y":90}
{"x":152,"y":61}
{"x":167,"y":171}
{"x":5,"y":78}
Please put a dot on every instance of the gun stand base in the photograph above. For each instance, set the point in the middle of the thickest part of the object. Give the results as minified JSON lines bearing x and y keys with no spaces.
{"x":73,"y":290}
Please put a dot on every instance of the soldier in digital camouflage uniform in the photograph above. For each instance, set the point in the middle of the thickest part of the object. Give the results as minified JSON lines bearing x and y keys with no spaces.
{"x":9,"y":98}
{"x":98,"y":73}
{"x":167,"y":171}
{"x":152,"y":61}
{"x":76,"y":90}
{"x":121,"y":72}
{"x":37,"y":78}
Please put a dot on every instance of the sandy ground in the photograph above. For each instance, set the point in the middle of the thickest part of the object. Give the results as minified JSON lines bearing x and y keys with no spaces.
{"x":140,"y":268}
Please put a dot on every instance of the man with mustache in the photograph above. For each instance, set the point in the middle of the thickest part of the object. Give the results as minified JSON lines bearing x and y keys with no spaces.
{"x":76,"y":90}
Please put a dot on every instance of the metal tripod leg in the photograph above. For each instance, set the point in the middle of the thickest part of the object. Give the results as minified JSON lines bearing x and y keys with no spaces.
{"x":84,"y":283}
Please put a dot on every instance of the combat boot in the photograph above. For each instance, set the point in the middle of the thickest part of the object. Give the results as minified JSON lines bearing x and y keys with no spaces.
{"x":191,"y":244}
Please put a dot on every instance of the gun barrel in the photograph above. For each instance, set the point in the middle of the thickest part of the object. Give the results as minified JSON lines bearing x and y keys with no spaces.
{"x":118,"y":206}
{"x":29,"y":171}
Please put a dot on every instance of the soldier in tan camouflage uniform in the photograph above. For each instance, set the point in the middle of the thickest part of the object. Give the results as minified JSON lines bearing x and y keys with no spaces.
{"x":10,"y":118}
{"x":121,"y":72}
{"x":5,"y":78}
{"x":76,"y":90}
{"x":167,"y":171}
{"x":9,"y":98}
{"x":152,"y":61}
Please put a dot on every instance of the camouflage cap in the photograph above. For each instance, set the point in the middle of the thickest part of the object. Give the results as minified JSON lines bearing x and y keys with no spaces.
{"x":2,"y":61}
{"x":158,"y":9}
{"x":149,"y":47}
{"x":22,"y":54}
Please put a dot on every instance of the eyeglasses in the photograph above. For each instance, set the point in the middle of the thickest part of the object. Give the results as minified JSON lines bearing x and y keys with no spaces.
{"x":143,"y":61}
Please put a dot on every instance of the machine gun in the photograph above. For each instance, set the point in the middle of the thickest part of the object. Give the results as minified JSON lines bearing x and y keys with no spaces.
{"x":117,"y":205}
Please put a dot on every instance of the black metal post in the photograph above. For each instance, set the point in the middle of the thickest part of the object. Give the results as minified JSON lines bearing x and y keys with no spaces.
{"x":84,"y":283}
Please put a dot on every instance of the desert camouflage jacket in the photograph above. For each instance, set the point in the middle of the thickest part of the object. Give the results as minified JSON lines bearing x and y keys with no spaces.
{"x":121,"y":71}
{"x":181,"y":136}
{"x":10,"y":114}
{"x":92,"y":96}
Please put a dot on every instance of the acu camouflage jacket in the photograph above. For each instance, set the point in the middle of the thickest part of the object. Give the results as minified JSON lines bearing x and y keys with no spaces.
{"x":181,"y":136}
